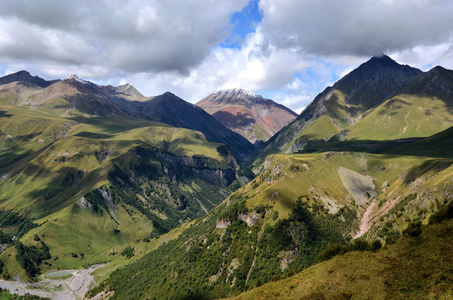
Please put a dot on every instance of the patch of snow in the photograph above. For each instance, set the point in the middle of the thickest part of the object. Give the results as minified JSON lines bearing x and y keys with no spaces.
{"x":77,"y":79}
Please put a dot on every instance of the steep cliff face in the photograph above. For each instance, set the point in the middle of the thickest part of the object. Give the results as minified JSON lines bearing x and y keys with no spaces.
{"x":247,"y":113}
{"x":168,"y":188}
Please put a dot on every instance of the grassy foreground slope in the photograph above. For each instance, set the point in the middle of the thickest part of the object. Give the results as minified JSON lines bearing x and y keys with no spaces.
{"x":416,"y":267}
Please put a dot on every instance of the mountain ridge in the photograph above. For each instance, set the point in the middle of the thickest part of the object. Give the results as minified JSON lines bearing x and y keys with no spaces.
{"x":74,"y":98}
{"x":348,"y":109}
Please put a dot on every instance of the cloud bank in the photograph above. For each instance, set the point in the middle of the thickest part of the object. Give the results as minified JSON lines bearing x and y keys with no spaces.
{"x":286,"y":50}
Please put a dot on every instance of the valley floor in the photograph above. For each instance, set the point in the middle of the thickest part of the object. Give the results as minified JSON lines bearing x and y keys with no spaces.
{"x":74,"y":287}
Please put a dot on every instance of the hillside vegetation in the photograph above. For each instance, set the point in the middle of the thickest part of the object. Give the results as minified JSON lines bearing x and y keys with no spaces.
{"x":417,"y":267}
{"x":92,"y":186}
{"x":283,"y":220}
{"x":381,"y":100}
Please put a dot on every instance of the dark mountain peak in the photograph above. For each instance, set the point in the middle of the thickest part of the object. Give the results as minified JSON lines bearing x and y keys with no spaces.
{"x":169,"y":94}
{"x":438,"y":70}
{"x":171,"y":109}
{"x":167,"y":97}
{"x":383,"y":60}
{"x":437,"y":82}
{"x":25,"y":76}
{"x":377,"y":72}
{"x":437,"y":73}
{"x":23,"y":73}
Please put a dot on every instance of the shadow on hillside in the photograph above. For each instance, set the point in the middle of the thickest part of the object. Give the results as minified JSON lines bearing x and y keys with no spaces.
{"x":110,"y":126}
{"x":4,"y":114}
{"x":437,"y":147}
{"x":425,"y":147}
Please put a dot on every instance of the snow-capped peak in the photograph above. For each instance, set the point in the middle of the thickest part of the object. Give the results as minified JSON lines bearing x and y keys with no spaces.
{"x":236,"y":92}
{"x":76,"y":78}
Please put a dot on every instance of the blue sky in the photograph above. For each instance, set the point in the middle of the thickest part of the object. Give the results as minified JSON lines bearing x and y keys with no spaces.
{"x":283,"y":49}
{"x":243,"y":23}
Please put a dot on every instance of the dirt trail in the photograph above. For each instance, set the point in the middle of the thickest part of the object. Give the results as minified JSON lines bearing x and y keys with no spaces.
{"x":74,"y":287}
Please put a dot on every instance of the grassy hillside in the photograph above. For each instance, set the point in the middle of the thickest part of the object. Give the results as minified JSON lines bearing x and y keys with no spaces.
{"x":285,"y":218}
{"x":93,"y":186}
{"x":403,"y":116}
{"x":379,"y":101}
{"x":416,"y":267}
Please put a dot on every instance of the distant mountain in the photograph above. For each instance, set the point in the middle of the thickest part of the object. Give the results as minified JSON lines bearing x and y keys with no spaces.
{"x":372,"y":82}
{"x":347,"y":102}
{"x":125,"y":91}
{"x":88,"y":170}
{"x":170,"y":109}
{"x":437,"y":82}
{"x":421,"y":108}
{"x":247,"y":113}
{"x":24,"y":76}
{"x":75,"y":98}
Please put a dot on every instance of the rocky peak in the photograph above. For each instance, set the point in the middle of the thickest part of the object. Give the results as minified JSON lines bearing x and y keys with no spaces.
{"x":234,"y":95}
{"x":129,"y":91}
{"x":382,"y":60}
{"x":249,"y":114}
{"x":437,"y":82}
{"x":75,"y":78}
{"x":24,"y":76}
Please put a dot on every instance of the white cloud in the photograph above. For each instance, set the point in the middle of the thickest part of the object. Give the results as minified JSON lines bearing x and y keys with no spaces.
{"x":250,"y":67}
{"x":356,"y":27}
{"x":426,"y":57}
{"x":137,"y":36}
{"x":298,"y":49}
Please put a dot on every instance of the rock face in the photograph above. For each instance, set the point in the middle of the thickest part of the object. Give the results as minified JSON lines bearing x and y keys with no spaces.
{"x":222,"y":224}
{"x":247,"y":113}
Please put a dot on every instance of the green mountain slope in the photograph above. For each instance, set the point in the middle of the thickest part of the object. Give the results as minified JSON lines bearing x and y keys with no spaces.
{"x":421,"y":108}
{"x":345,"y":103}
{"x":170,"y":109}
{"x":284,"y":219}
{"x":97,"y":185}
{"x":74,"y":98}
{"x":416,"y":267}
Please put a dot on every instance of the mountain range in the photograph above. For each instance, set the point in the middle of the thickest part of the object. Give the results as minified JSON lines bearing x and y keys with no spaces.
{"x":380,"y":100}
{"x":164,"y":191}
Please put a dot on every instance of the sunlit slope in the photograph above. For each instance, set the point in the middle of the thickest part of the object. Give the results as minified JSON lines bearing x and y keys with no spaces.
{"x":94,"y":186}
{"x":284,"y":219}
{"x":336,"y":108}
{"x":403,"y":116}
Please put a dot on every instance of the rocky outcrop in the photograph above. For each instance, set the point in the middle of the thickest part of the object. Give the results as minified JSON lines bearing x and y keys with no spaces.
{"x":222,"y":224}
{"x":251,"y":219}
